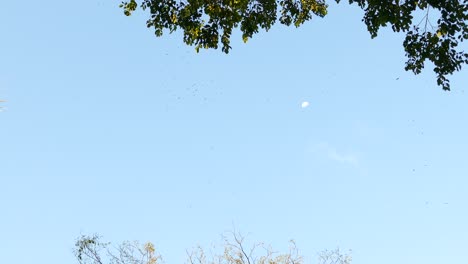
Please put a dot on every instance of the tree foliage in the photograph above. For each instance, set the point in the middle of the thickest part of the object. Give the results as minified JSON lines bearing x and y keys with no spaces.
{"x":235,"y":252}
{"x":90,"y":250}
{"x":210,"y":23}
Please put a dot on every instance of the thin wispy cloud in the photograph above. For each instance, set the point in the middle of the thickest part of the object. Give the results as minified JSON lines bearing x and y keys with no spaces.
{"x":332,"y":153}
{"x":342,"y":157}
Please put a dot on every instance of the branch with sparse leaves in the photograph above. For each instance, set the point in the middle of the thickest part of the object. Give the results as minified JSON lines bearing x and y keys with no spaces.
{"x":89,"y":250}
{"x":334,"y":257}
{"x":235,"y":252}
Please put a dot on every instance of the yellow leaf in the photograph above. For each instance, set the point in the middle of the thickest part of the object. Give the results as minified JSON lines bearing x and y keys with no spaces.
{"x":149,"y":247}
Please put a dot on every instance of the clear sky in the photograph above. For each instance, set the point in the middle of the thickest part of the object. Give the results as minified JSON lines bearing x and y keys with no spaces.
{"x":108,"y":129}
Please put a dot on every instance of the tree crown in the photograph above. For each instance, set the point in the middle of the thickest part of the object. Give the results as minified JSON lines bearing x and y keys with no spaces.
{"x":210,"y":23}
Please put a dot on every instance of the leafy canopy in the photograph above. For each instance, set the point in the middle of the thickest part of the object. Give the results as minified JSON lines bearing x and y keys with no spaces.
{"x":209,"y":23}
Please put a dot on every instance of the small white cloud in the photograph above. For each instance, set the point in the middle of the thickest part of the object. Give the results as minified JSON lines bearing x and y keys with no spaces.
{"x":305,"y":104}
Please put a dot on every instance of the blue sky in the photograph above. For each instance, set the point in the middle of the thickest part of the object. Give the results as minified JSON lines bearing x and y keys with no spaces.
{"x":109,"y":130}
